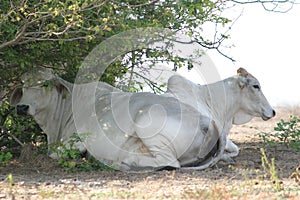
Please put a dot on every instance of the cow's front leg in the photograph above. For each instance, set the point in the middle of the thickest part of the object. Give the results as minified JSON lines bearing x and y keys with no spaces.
{"x":231,"y":150}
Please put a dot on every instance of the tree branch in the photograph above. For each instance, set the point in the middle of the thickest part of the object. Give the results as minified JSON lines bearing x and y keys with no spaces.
{"x":274,"y":4}
{"x":34,"y":17}
{"x":153,"y":84}
{"x":5,"y":132}
{"x":143,"y":4}
{"x":17,"y":37}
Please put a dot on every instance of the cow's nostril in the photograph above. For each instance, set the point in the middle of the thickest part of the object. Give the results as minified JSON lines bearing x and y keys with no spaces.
{"x":22,"y":109}
{"x":274,"y":113}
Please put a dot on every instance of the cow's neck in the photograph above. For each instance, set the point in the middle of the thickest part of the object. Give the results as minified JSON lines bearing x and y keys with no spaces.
{"x":223,"y":100}
{"x":56,"y":118}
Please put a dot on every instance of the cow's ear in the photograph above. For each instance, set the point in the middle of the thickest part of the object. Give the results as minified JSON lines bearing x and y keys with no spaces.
{"x":62,"y":86}
{"x":242,"y":81}
{"x":16,"y":96}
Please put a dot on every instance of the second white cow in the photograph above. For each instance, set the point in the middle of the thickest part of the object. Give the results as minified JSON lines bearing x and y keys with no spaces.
{"x":235,"y":100}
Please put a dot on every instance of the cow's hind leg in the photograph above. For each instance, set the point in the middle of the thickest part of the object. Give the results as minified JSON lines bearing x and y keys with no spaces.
{"x":162,"y":156}
{"x":149,"y":126}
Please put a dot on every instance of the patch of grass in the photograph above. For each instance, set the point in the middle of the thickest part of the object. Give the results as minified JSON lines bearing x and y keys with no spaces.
{"x":9,"y":187}
{"x":296,"y":175}
{"x":5,"y":158}
{"x":46,"y":194}
{"x":270,"y":170}
{"x":114,"y":194}
{"x":215,"y":192}
{"x":286,"y":133}
{"x":10,"y":180}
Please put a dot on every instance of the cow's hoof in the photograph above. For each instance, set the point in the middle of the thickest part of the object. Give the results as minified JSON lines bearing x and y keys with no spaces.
{"x":230,"y":161}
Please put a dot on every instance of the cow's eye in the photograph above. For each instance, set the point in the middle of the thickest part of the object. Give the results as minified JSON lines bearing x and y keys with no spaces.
{"x":256,"y":87}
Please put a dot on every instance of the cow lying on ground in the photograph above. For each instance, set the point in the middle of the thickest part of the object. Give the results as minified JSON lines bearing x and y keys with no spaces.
{"x":134,"y":131}
{"x":225,"y":102}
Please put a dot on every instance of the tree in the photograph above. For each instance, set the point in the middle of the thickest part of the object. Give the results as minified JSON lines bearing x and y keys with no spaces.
{"x":51,"y":33}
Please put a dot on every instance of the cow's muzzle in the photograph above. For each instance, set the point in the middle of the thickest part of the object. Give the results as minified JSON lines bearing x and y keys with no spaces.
{"x":22,"y":109}
{"x":267,"y":117}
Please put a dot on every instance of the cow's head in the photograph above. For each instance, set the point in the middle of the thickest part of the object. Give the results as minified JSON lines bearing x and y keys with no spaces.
{"x":253,"y":101}
{"x":38,"y":89}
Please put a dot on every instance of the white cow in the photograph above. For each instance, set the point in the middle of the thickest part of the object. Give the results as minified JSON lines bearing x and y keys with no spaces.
{"x":235,"y":100}
{"x":130,"y":131}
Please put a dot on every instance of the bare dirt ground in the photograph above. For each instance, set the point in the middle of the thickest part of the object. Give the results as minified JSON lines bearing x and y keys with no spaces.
{"x":245,"y":179}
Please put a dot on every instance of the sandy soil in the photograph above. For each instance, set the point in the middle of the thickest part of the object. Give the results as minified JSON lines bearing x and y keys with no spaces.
{"x":245,"y":179}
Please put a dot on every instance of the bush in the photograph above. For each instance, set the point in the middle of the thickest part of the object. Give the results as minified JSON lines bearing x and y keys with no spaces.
{"x":286,"y":133}
{"x":15,"y":129}
{"x":4,"y":158}
{"x":71,"y":159}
